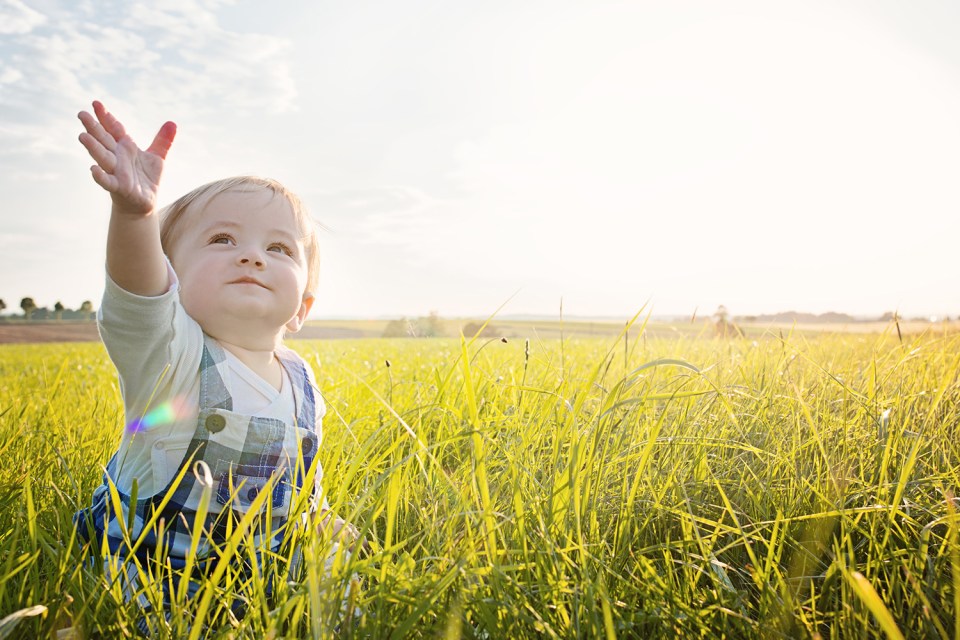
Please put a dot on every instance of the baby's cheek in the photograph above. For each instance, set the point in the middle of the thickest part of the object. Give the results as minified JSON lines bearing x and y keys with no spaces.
{"x":192,"y":299}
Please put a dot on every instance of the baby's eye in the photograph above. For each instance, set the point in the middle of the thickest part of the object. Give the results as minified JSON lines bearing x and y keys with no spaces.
{"x":221,"y":238}
{"x":280,"y":248}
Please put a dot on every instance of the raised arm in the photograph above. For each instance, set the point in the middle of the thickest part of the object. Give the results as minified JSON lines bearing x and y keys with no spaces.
{"x":131,"y":176}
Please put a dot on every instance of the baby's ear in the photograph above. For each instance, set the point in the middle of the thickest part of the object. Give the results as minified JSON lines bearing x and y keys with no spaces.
{"x":297,"y":321}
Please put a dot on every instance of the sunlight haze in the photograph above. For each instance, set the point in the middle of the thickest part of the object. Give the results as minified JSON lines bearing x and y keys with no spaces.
{"x":763,"y":156}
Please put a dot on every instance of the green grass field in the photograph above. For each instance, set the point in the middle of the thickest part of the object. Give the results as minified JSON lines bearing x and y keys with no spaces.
{"x":801,"y":487}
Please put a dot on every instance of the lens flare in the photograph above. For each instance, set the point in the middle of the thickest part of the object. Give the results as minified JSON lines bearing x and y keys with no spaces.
{"x":164,"y":413}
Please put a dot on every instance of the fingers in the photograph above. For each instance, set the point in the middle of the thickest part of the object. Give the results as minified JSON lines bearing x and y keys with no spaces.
{"x":108,"y":121}
{"x":348,"y":532}
{"x":100,"y":144}
{"x":103,"y":157}
{"x":343,"y":532}
{"x":106,"y":130}
{"x":162,"y":141}
{"x":104,"y":179}
{"x":338,"y":528}
{"x":342,"y":529}
{"x":97,"y":131}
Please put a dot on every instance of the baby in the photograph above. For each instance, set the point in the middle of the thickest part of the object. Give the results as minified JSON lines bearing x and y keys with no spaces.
{"x":223,"y":421}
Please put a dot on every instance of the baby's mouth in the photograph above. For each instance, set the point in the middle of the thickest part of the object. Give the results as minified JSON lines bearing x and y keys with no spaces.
{"x":248,"y":280}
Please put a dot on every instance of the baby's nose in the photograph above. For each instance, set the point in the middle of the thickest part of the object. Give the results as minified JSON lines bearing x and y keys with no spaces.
{"x":251,"y":257}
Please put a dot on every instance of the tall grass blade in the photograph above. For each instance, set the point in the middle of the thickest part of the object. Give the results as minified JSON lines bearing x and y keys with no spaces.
{"x":868,"y":596}
{"x":9,"y":623}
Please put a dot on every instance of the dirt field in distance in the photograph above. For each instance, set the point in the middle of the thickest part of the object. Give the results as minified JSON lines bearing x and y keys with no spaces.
{"x":48,"y":332}
{"x":87,"y":332}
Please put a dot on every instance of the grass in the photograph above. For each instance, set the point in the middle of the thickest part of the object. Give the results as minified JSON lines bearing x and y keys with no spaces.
{"x":795,"y":487}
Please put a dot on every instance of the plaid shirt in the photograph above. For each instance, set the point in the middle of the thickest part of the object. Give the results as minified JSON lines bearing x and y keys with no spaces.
{"x":245,"y":456}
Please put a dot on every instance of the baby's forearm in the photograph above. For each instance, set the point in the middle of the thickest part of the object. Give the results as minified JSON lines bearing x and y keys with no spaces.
{"x":134,"y":255}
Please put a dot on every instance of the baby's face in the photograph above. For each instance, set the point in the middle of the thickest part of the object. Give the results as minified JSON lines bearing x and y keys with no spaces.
{"x":241,"y":266}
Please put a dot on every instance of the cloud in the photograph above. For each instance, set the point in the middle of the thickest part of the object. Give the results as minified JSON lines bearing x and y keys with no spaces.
{"x":9,"y":76}
{"x":18,"y":18}
{"x":148,"y":63}
{"x":206,"y":67}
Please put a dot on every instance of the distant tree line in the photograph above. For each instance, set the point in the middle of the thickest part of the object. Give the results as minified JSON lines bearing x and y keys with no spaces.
{"x":726,"y":327}
{"x":833,"y":317}
{"x":32,"y":312}
{"x":432,"y":326}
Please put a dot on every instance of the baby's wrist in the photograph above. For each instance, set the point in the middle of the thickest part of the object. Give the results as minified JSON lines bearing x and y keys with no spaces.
{"x":124,"y":208}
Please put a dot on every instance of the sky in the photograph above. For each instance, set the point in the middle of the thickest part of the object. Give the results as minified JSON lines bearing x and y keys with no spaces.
{"x":467,"y":156}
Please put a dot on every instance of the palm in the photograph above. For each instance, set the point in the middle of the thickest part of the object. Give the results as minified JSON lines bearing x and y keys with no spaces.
{"x":130,"y":174}
{"x":138,"y":176}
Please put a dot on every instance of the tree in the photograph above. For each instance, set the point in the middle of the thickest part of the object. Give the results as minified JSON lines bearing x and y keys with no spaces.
{"x":398,"y":328}
{"x":58,"y":309}
{"x":28,"y":306}
{"x":431,"y":326}
{"x":721,"y":315}
{"x":472,"y":329}
{"x":724,"y":326}
{"x":86,"y":307}
{"x":3,"y":305}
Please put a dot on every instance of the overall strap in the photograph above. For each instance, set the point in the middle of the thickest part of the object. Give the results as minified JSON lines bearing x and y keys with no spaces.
{"x":303,"y":393}
{"x":213,"y":391}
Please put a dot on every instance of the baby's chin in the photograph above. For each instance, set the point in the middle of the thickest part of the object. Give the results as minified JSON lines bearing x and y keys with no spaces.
{"x":246,"y":327}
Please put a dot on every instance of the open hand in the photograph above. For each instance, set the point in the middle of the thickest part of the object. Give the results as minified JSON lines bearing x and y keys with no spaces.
{"x":130,"y":174}
{"x":342,"y":532}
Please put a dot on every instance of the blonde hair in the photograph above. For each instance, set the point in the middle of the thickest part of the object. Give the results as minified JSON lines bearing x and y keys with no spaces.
{"x":171,"y":216}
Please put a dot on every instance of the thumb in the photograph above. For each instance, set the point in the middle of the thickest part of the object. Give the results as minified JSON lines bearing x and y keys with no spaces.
{"x":162,"y":141}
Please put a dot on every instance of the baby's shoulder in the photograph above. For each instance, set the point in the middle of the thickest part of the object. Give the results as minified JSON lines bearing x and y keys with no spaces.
{"x":295,"y":362}
{"x":286,"y":354}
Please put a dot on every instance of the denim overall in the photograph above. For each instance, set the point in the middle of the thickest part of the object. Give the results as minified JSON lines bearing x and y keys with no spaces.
{"x":245,"y":455}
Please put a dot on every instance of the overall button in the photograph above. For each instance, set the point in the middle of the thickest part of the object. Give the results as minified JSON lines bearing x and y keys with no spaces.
{"x":158,"y":445}
{"x":252,"y":493}
{"x":215,"y":423}
{"x":306,"y":445}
